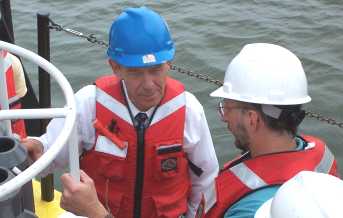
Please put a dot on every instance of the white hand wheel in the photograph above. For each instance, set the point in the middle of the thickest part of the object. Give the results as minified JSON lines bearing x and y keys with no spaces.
{"x":68,"y":131}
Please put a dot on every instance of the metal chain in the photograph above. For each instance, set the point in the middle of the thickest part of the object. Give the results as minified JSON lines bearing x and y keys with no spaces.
{"x":321,"y":118}
{"x":205,"y":77}
{"x":91,"y":38}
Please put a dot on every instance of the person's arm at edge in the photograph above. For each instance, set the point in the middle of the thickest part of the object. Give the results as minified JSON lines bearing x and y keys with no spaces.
{"x":247,"y":206}
{"x":85,"y":106}
{"x":200,"y":151}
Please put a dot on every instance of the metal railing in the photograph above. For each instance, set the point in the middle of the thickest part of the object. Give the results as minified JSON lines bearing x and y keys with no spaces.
{"x":93,"y":39}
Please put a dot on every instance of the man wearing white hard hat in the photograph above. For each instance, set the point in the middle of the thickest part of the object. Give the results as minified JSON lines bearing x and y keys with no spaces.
{"x":308,"y":194}
{"x":264,"y":89}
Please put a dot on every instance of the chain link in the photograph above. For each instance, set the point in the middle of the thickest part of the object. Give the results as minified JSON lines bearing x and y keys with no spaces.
{"x":91,"y":38}
{"x":205,"y":77}
{"x":321,"y":118}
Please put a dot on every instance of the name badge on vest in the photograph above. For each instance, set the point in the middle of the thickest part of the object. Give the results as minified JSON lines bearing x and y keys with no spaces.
{"x":105,"y":145}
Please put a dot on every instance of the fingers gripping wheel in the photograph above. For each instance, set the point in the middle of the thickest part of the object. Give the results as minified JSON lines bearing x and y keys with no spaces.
{"x":68,"y":131}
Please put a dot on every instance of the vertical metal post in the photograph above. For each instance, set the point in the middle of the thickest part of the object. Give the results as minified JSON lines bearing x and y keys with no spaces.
{"x":6,"y":15}
{"x":47,"y":183}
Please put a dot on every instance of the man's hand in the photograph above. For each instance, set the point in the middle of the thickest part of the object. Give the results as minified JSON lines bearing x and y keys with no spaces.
{"x":81,"y":198}
{"x":34,"y":147}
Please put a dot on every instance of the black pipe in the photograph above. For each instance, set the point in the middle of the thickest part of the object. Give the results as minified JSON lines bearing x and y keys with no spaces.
{"x":47,"y":183}
{"x":6,"y":17}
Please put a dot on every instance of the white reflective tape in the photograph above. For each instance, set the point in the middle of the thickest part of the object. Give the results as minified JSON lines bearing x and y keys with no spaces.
{"x":326,"y":162}
{"x":169,"y":107}
{"x":247,"y":176}
{"x":7,"y":62}
{"x":13,"y":99}
{"x":105,"y":145}
{"x":113,"y":105}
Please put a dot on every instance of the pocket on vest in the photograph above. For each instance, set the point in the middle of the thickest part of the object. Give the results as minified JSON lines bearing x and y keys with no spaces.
{"x":170,"y":161}
{"x":172,"y":205}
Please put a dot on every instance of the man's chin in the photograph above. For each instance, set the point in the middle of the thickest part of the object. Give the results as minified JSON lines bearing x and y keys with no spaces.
{"x":147,"y":104}
{"x":240,"y":146}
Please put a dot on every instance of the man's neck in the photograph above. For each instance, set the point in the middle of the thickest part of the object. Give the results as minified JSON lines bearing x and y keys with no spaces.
{"x":272,"y":142}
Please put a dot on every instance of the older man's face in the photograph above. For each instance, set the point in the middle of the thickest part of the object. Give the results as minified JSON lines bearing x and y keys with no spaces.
{"x":145,"y":86}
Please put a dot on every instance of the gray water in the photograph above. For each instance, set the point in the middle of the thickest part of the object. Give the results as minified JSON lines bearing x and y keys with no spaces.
{"x":207,"y":35}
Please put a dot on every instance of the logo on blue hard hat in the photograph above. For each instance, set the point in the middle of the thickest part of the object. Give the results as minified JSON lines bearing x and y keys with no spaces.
{"x":149,"y":58}
{"x":139,"y":37}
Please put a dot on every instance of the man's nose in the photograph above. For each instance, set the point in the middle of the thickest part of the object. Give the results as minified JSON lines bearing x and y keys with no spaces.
{"x":148,"y":81}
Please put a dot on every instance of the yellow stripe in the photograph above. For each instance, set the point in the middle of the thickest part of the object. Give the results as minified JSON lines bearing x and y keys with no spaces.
{"x":46,"y":209}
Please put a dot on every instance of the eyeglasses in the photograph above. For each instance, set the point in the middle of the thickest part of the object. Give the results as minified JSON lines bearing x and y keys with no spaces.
{"x":221,"y":109}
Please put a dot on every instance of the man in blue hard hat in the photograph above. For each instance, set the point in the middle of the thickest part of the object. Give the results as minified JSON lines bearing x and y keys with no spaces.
{"x":147,"y":147}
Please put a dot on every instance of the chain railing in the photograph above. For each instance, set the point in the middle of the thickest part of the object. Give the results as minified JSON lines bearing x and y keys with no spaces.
{"x":89,"y":37}
{"x":92,"y":39}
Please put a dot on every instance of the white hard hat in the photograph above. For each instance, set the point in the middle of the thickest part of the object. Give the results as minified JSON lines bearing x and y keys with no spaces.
{"x":264,"y":73}
{"x":306,"y":195}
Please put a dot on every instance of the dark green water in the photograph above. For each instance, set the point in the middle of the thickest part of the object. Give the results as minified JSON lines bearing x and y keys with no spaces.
{"x":207,"y":34}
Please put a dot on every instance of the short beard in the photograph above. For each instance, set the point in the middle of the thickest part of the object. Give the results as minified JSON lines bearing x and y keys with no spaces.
{"x":242,"y":139}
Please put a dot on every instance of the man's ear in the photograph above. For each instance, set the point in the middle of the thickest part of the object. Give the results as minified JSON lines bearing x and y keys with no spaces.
{"x":169,"y":63}
{"x":116,"y":69}
{"x":254,"y":119}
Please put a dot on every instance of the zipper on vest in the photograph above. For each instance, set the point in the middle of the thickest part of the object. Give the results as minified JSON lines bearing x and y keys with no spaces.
{"x":140,"y":129}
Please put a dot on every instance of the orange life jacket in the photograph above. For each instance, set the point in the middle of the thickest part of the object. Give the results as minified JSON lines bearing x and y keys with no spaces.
{"x":112,"y":162}
{"x":239,"y":177}
{"x":18,"y":126}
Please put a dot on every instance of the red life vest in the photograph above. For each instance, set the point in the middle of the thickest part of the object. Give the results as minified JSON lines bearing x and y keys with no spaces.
{"x":166,"y":182}
{"x":242,"y":177}
{"x":18,"y":126}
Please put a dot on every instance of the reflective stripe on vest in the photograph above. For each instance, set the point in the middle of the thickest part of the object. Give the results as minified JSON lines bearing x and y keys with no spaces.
{"x":120,"y":109}
{"x":248,"y":175}
{"x":18,"y":126}
{"x":326,"y":162}
{"x":253,"y":181}
{"x":113,"y":105}
{"x":166,"y":183}
{"x":8,"y":69}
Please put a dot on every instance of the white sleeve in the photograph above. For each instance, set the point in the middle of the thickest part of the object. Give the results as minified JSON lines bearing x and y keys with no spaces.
{"x":200,"y":151}
{"x":85,"y":107}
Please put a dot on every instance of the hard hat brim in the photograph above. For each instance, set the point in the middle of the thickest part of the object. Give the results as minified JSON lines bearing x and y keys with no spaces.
{"x":264,"y":210}
{"x":221,"y":93}
{"x":131,"y":61}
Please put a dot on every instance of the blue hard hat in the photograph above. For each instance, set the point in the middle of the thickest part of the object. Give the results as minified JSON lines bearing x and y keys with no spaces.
{"x":139,"y":37}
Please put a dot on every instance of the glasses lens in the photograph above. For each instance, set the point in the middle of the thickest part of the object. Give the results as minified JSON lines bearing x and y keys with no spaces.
{"x":220,"y":109}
